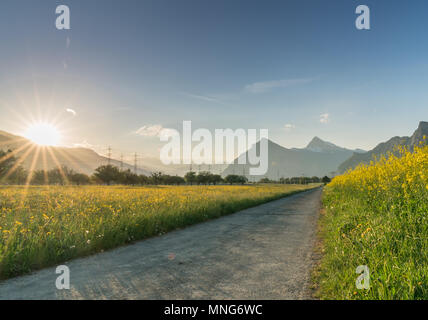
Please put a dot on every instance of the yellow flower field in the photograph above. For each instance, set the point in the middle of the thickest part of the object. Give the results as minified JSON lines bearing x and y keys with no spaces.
{"x":40,"y":226}
{"x":376,"y":215}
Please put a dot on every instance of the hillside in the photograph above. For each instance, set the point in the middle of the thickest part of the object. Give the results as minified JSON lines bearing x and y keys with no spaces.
{"x":385,"y":147}
{"x":79,"y":159}
{"x":319,"y":158}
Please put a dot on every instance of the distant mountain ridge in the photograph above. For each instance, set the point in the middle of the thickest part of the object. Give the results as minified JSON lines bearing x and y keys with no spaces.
{"x":318,"y":158}
{"x":81,"y":160}
{"x":319,"y":145}
{"x":385,"y":147}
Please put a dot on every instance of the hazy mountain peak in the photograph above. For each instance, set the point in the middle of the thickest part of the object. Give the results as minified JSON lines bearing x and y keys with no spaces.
{"x":419,"y":134}
{"x":423,"y":125}
{"x":421,"y":130}
{"x":319,"y":145}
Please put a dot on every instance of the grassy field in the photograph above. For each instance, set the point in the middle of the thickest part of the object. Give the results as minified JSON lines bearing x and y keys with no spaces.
{"x":376,"y":215}
{"x":41,"y":226}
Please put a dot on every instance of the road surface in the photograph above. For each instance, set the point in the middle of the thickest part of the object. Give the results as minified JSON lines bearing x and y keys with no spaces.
{"x":265,"y":252}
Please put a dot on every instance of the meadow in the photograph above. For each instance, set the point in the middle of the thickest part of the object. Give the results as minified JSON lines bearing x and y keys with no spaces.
{"x":376,"y":215}
{"x":46,"y":225}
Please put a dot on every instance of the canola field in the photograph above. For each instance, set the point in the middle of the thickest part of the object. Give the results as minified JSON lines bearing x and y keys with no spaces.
{"x":376,"y":215}
{"x":42,"y":226}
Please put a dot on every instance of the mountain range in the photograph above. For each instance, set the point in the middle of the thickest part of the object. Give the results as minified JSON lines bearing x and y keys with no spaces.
{"x":318,"y":158}
{"x":385,"y":147}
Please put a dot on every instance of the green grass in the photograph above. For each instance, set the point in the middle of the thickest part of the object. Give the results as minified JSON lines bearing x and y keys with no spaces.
{"x":393,"y":245}
{"x":43,"y":226}
{"x":376,"y":215}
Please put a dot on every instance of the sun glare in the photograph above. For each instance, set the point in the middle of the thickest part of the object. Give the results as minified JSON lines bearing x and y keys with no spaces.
{"x":43,"y":134}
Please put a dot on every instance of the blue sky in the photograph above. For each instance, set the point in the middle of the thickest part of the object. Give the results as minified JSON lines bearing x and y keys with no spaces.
{"x":222,"y":64}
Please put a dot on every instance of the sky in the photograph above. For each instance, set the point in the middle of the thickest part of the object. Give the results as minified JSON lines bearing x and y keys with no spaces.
{"x":299,"y":68}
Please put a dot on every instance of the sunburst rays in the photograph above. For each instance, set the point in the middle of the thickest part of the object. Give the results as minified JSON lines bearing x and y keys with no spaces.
{"x":43,"y":158}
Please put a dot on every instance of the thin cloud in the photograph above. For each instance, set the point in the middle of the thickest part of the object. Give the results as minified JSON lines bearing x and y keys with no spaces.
{"x":67,"y":42}
{"x":261,"y":87}
{"x":73,"y":112}
{"x":201,"y":97}
{"x":156,"y":130}
{"x":289,"y":127}
{"x":325,"y":118}
{"x":150,"y":130}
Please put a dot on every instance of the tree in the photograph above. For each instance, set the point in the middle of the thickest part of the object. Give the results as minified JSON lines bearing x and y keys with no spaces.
{"x":142,"y":179}
{"x":7,"y":161}
{"x":178,"y":180}
{"x":79,"y":179}
{"x":107,"y":174}
{"x":233,"y":178}
{"x":128,"y":177}
{"x":156,"y":178}
{"x":18,"y":176}
{"x":203,"y":177}
{"x":167,"y":179}
{"x":326,"y":180}
{"x":190,"y":177}
{"x":39,"y":177}
{"x":242,"y":179}
{"x":216,"y":178}
{"x":56,"y":176}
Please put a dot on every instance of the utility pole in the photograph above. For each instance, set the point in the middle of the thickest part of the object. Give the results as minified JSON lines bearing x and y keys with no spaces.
{"x":109,"y":155}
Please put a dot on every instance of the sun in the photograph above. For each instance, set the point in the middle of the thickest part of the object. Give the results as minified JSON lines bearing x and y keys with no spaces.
{"x":43,"y":134}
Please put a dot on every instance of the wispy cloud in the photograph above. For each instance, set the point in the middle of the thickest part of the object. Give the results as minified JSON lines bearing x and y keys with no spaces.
{"x":156,"y":130}
{"x":289,"y":127}
{"x":203,"y":97}
{"x":150,"y":130}
{"x":325,"y":118}
{"x":261,"y":87}
{"x":73,"y":112}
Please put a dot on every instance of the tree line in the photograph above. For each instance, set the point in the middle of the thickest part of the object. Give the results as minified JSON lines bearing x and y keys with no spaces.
{"x":298,"y":180}
{"x":12,"y":172}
